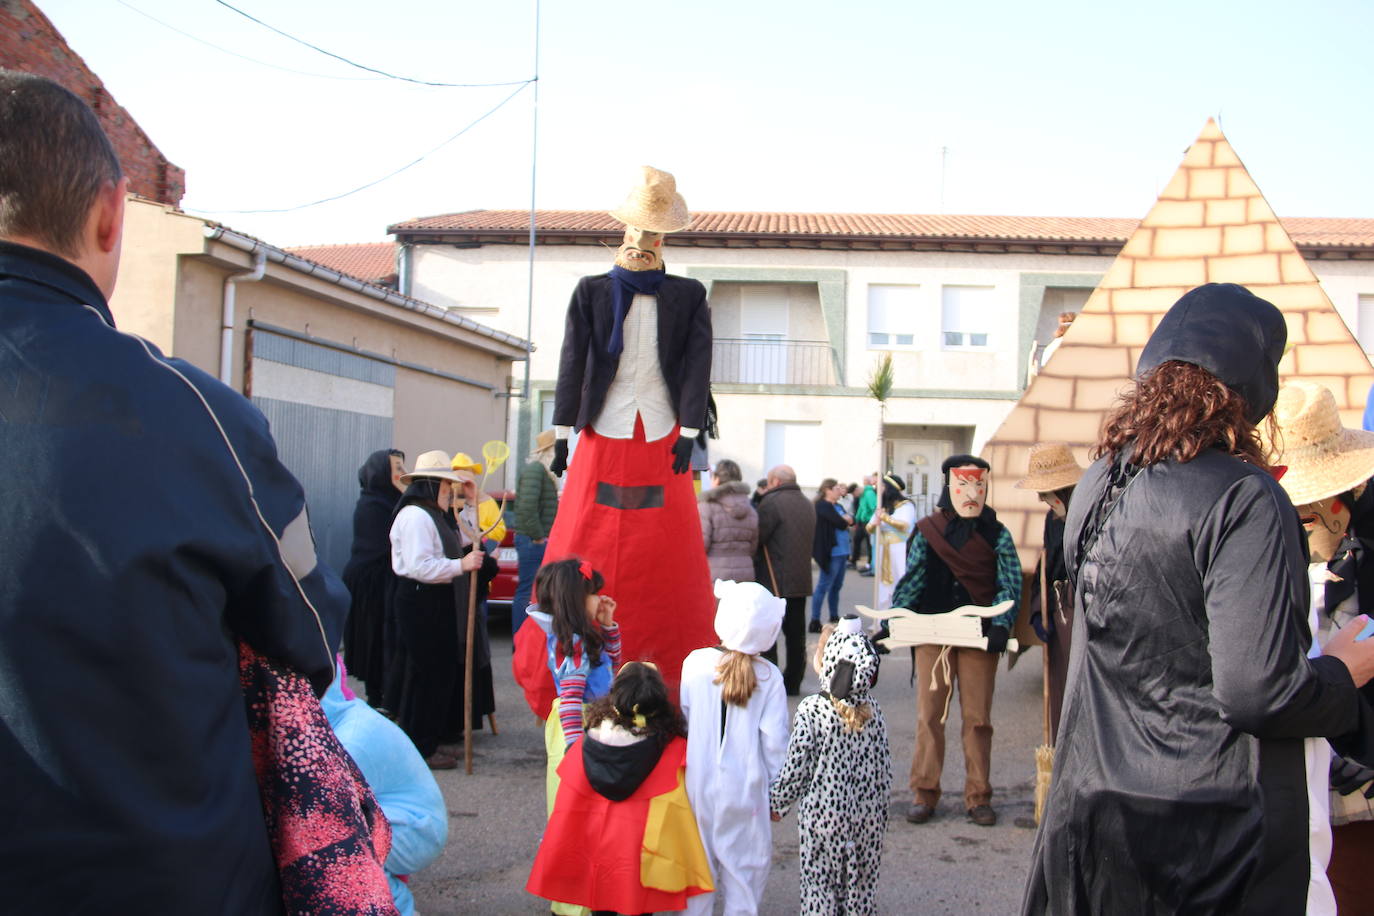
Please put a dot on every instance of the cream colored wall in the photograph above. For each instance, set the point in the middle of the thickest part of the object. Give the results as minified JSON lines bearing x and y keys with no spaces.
{"x":489,"y":284}
{"x":849,"y":424}
{"x":144,"y":302}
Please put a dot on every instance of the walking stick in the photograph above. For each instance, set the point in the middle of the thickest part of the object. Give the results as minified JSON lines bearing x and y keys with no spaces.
{"x":494,"y":454}
{"x":1044,"y":754}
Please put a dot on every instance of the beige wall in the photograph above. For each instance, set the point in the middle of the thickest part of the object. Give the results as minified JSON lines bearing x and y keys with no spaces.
{"x":171,"y":291}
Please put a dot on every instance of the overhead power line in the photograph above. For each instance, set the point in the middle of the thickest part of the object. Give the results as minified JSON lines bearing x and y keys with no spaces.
{"x":392,"y":174}
{"x":251,"y":60}
{"x":351,"y":63}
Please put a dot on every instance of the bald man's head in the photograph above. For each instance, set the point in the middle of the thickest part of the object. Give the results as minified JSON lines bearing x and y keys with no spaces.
{"x":781,"y":475}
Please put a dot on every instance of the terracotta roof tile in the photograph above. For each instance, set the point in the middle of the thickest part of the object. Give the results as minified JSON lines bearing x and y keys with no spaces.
{"x":1304,"y":230}
{"x":374,"y":262}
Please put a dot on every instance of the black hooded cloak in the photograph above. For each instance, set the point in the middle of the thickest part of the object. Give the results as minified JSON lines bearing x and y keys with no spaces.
{"x":1179,"y":777}
{"x":368,"y":575}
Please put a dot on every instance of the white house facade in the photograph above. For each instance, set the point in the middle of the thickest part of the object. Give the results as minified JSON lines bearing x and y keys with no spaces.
{"x":804,"y":305}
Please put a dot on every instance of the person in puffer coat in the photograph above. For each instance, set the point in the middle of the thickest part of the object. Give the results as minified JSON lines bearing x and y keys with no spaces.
{"x":729,"y":525}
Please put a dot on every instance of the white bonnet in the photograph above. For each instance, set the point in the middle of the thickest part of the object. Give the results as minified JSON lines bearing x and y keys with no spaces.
{"x":748,"y":617}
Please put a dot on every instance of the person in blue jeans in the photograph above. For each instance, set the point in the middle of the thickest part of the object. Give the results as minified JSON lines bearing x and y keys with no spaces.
{"x":830,"y":550}
{"x":536,"y":504}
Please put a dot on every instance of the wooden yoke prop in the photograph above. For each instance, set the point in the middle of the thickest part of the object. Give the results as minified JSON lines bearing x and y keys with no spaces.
{"x":961,"y":627}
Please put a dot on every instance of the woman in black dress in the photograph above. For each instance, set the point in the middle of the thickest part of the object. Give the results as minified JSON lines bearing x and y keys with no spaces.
{"x":368,"y":574}
{"x":431,"y":601}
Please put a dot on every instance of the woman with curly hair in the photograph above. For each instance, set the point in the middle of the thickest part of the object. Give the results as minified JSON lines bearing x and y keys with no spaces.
{"x":1179,"y":769}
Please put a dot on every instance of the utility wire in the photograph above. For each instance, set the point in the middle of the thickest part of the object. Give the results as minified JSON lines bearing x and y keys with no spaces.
{"x":406,"y":79}
{"x":392,"y":174}
{"x":252,"y":60}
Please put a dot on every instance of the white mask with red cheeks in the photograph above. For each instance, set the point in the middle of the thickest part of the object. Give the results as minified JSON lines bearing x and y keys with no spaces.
{"x":641,"y":250}
{"x":968,"y":490}
{"x":1055,"y":503}
{"x":1326,"y":522}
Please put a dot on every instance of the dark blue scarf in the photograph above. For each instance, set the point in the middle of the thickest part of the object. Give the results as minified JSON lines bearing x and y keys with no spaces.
{"x":624,"y":286}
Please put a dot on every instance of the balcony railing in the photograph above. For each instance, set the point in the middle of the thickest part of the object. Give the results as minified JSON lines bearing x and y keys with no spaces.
{"x":764,"y":361}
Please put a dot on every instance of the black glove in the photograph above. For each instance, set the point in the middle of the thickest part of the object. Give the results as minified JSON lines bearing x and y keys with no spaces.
{"x":560,"y":457}
{"x":1347,"y":776}
{"x":1037,"y":622}
{"x":682,"y":455}
{"x":997,"y":639}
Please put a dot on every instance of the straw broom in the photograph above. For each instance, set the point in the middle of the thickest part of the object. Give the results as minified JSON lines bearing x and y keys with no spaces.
{"x":1044,"y":754}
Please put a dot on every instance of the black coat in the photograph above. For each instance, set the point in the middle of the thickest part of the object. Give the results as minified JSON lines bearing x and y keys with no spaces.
{"x":1179,"y":778}
{"x":585,"y":369}
{"x":147,"y":525}
{"x":787,"y":529}
{"x":828,"y":521}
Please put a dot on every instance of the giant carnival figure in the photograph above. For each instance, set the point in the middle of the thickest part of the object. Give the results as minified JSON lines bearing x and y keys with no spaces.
{"x":633,"y":380}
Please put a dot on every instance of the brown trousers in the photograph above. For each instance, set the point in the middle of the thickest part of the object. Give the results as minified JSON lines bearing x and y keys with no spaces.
{"x":1352,"y":845}
{"x":975,"y":671}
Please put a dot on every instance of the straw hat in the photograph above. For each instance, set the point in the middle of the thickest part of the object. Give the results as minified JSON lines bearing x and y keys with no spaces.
{"x":1051,"y":467}
{"x":1323,"y":457}
{"x":463,"y":462}
{"x":543,"y":442}
{"x":655,"y":204}
{"x":436,"y":465}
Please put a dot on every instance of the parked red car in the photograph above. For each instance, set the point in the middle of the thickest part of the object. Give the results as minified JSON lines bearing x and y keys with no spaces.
{"x":502,"y":588}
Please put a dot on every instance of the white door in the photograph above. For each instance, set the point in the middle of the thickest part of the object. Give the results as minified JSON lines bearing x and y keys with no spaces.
{"x":763,"y":324}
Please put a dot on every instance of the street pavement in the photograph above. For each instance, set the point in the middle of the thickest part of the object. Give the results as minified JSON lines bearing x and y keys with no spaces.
{"x":948,"y":865}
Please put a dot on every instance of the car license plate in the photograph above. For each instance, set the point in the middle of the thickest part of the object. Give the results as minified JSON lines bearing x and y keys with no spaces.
{"x":507,"y":555}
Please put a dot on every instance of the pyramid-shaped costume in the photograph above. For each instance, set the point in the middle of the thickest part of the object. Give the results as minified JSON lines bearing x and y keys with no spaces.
{"x":1210,"y":224}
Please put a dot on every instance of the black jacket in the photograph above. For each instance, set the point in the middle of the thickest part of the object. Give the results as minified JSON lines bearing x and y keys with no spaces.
{"x":585,"y":369}
{"x":147,"y":525}
{"x":1179,"y":777}
{"x":828,"y":521}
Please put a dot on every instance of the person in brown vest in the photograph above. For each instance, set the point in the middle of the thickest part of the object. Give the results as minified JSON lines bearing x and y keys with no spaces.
{"x":959,"y":555}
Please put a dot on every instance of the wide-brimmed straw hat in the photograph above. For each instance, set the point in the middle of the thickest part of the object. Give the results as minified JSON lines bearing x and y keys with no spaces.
{"x":436,"y":465}
{"x":1051,"y":467}
{"x":543,"y":442}
{"x":1323,"y":457}
{"x":654,"y":204}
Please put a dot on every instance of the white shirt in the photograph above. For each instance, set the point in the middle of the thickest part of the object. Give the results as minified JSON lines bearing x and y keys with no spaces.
{"x":638,"y":387}
{"x":416,"y":551}
{"x":1321,"y":901}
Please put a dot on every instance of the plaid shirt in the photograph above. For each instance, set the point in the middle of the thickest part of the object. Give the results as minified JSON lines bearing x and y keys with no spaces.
{"x":907,"y":594}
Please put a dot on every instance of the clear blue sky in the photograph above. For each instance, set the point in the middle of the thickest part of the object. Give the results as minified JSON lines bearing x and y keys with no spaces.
{"x":1057,"y":108}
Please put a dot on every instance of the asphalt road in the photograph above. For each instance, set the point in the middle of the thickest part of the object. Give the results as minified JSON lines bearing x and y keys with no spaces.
{"x":948,"y":865}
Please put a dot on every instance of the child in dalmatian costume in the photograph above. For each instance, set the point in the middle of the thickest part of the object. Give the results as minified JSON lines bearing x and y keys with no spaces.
{"x":840,"y":768}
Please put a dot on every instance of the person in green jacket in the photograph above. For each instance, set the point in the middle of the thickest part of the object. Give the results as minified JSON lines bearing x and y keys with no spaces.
{"x":863,"y":513}
{"x":536,"y":504}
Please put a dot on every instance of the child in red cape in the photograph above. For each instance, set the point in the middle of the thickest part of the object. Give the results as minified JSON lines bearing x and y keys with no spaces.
{"x":622,"y":838}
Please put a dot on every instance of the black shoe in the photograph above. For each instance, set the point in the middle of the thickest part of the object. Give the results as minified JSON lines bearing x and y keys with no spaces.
{"x":815,"y":627}
{"x":834,"y":620}
{"x":983,"y":815}
{"x":919,"y":813}
{"x":866,"y":573}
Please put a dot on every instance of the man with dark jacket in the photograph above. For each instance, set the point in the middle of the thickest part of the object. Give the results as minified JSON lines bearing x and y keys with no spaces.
{"x":148,"y":526}
{"x":787,"y":527}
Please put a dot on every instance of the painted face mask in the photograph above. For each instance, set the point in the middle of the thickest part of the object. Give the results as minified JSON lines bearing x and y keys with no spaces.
{"x":1056,"y":504}
{"x":641,"y":250}
{"x":1326,"y":522}
{"x":968,"y":490}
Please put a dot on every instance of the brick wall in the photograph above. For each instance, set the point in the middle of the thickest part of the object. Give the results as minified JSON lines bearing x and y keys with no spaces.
{"x":29,"y":42}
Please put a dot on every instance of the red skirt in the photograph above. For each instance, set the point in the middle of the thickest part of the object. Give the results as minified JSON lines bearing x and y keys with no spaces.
{"x":624,"y":511}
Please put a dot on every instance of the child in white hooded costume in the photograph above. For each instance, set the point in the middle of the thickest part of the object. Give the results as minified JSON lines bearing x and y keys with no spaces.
{"x":839,"y":772}
{"x":736,"y":742}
